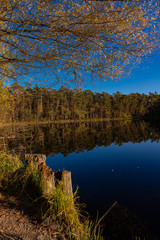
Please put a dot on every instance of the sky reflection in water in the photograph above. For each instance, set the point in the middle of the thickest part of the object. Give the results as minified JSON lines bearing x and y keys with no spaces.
{"x":129,"y":174}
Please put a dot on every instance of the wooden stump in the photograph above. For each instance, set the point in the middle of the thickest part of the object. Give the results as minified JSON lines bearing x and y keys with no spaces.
{"x":36,"y":158}
{"x":67,"y":182}
{"x":64,"y":179}
{"x":38,"y":161}
{"x":47,"y":178}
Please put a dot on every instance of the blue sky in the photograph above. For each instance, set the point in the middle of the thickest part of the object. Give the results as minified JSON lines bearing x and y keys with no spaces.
{"x":143,"y":79}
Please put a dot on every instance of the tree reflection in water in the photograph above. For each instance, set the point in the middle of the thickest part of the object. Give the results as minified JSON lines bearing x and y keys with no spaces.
{"x":51,"y":139}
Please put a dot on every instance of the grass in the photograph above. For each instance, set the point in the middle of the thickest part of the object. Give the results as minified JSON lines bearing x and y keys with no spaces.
{"x":60,"y":207}
{"x":64,"y":208}
{"x":57,"y":206}
{"x":9,"y":165}
{"x":31,"y":181}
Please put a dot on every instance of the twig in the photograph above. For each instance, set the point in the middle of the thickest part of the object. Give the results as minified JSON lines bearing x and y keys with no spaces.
{"x":106,"y":214}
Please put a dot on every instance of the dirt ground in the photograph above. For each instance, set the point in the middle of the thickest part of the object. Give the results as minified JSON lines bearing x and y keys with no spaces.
{"x":18,"y":221}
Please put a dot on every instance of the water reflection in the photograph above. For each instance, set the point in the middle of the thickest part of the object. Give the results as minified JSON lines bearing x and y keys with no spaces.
{"x":76,"y":137}
{"x":109,"y":161}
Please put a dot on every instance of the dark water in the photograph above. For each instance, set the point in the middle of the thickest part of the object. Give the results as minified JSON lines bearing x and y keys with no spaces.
{"x":114,"y":161}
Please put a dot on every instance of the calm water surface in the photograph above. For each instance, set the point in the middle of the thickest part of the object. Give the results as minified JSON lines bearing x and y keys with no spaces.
{"x":129,"y":174}
{"x":110,"y":162}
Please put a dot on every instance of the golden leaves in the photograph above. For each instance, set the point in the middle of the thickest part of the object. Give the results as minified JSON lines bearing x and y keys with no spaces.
{"x":102,"y":38}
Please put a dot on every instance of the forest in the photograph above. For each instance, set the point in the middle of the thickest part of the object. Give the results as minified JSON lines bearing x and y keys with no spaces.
{"x":25,"y":103}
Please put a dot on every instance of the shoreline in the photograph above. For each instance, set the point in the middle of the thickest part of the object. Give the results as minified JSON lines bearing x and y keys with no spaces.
{"x":36,"y":204}
{"x":65,"y":121}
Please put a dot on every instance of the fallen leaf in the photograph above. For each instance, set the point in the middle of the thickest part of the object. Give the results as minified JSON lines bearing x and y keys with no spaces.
{"x":20,"y":220}
{"x":18,"y":213}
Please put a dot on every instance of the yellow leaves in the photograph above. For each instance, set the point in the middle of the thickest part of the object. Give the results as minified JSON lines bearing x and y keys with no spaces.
{"x":71,"y":35}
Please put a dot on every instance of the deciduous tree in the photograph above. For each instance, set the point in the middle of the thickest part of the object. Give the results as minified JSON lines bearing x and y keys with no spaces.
{"x":102,"y":38}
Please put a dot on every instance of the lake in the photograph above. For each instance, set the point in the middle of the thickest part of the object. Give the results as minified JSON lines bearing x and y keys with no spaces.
{"x":109,"y":161}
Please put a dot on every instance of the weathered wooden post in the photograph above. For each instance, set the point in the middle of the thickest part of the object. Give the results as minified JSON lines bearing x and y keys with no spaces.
{"x":67,"y":183}
{"x":64,"y":179}
{"x":36,"y":158}
{"x":38,"y":161}
{"x":47,"y":178}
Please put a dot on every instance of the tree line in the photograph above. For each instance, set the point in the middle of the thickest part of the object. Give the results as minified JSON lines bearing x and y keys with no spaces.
{"x":21,"y":104}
